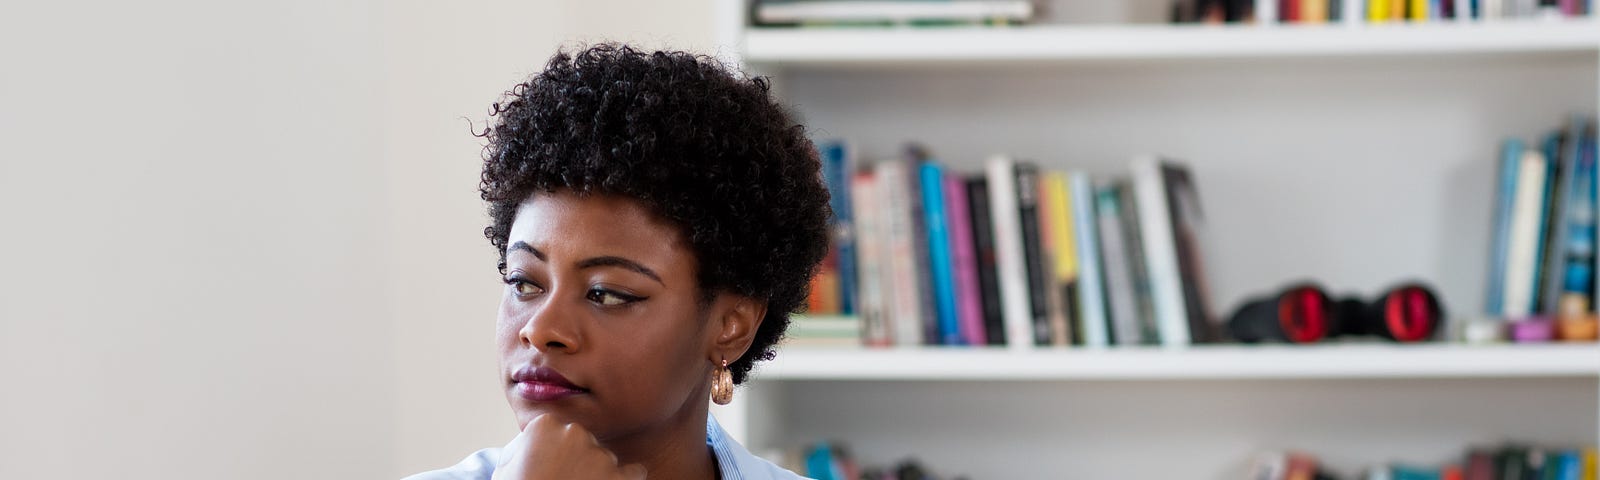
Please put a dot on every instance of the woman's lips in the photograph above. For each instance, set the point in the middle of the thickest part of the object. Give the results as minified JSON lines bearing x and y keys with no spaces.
{"x":543,"y":384}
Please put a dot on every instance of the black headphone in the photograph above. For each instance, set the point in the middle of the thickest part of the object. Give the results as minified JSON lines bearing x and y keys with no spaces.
{"x":1305,"y":313}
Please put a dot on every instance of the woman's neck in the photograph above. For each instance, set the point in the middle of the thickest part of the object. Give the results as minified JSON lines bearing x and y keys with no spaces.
{"x":671,"y":451}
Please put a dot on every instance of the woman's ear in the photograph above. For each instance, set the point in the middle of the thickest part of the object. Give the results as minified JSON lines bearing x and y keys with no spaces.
{"x":734,"y":325}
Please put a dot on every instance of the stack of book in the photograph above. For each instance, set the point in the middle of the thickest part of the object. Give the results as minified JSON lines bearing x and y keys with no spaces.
{"x":1510,"y":462}
{"x":1542,"y":259}
{"x":1372,"y":11}
{"x":834,"y":13}
{"x":1017,"y":256}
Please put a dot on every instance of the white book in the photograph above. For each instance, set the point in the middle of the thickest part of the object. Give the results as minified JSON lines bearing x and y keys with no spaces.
{"x":1266,"y":12}
{"x":1091,"y":287}
{"x":905,"y":304}
{"x":893,"y":11}
{"x":1527,"y":223}
{"x":1463,"y":9}
{"x":1161,"y":253}
{"x":1011,"y":269}
{"x":1491,"y":10}
{"x":1353,"y":12}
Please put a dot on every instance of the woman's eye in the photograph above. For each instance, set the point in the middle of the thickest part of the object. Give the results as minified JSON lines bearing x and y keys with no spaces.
{"x":610,"y":298}
{"x":523,"y":287}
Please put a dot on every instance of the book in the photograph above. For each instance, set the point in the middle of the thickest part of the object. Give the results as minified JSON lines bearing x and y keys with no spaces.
{"x":915,"y":155}
{"x":1523,"y":245}
{"x":1058,"y":251}
{"x":1188,"y":225}
{"x":1091,"y":288}
{"x":837,"y":165}
{"x":943,"y":273}
{"x":1313,"y":11}
{"x":1138,"y":268}
{"x":1027,"y":191}
{"x":905,"y":306}
{"x":963,"y":255}
{"x":1505,"y":202}
{"x":983,"y":245}
{"x":892,"y":12}
{"x":1160,"y":252}
{"x":872,"y":283}
{"x":1121,"y":298}
{"x":1565,"y":201}
{"x":1012,"y":268}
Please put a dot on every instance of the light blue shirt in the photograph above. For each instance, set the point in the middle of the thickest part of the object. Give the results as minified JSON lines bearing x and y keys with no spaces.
{"x":733,"y":461}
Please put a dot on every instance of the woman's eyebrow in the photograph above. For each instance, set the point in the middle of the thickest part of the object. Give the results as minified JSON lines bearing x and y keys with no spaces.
{"x":611,"y":261}
{"x":521,"y":245}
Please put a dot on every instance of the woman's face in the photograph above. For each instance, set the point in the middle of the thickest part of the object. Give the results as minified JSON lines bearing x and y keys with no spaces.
{"x":601,"y":321}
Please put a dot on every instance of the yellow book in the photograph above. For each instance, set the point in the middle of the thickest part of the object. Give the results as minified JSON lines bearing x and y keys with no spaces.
{"x":1056,"y":232}
{"x":1377,"y":11}
{"x":1419,"y":10}
{"x":1065,"y":243}
{"x":1314,"y":11}
{"x":1589,"y":464}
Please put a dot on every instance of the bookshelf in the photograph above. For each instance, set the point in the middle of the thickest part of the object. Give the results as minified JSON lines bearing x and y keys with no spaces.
{"x":1220,"y":362}
{"x":1358,"y":156}
{"x":889,"y":48}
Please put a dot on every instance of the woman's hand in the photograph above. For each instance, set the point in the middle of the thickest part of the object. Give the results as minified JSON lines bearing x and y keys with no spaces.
{"x":553,"y":449}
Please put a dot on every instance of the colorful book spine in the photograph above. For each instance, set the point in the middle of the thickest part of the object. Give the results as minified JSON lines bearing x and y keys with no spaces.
{"x":905,"y":308}
{"x":969,"y":308}
{"x":1008,"y":246}
{"x":1313,"y":11}
{"x":1417,"y":11}
{"x":1091,"y":290}
{"x":1377,"y":11}
{"x":1058,"y":249}
{"x":871,"y":246}
{"x":983,"y":244}
{"x":836,"y":168}
{"x":1505,"y":198}
{"x":1160,"y":252}
{"x":944,"y":290}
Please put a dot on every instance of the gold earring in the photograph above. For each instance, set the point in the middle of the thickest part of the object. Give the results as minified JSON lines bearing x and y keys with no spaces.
{"x":722,"y":384}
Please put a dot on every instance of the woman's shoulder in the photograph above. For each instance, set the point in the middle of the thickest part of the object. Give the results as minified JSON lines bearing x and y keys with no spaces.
{"x":478,"y":466}
{"x":737,"y":463}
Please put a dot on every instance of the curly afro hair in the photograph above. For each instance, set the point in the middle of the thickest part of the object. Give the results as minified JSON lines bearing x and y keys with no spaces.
{"x":702,"y":146}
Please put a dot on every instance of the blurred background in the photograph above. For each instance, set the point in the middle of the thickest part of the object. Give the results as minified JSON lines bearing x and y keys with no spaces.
{"x":243,"y":240}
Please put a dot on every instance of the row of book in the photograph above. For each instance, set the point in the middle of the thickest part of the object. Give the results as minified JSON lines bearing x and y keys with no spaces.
{"x":1542,"y":257}
{"x":1017,"y":255}
{"x":1510,"y":462}
{"x":1372,"y":11}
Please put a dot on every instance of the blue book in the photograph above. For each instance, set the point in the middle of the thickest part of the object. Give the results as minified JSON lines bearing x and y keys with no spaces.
{"x":1505,"y":198}
{"x":836,"y":173}
{"x":944,"y":283}
{"x":1091,"y":287}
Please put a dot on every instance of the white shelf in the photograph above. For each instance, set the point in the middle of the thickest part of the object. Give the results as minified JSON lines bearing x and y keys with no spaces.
{"x":1052,"y":43}
{"x":1330,"y":361}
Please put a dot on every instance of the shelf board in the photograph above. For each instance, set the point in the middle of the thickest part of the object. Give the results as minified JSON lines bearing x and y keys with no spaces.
{"x":1066,"y":43}
{"x":1329,"y":361}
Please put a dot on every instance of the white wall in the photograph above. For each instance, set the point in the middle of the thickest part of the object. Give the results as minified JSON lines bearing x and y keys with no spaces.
{"x":242,"y":240}
{"x":192,"y":250}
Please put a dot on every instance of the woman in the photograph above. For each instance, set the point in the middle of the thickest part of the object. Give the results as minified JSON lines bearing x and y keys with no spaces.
{"x":658,"y":217}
